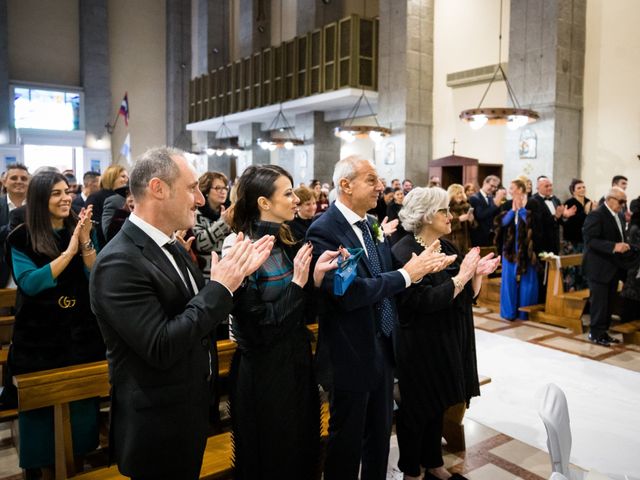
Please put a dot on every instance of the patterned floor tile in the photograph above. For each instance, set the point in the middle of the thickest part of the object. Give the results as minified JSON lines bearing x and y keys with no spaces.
{"x":486,"y":324}
{"x":575,"y":346}
{"x":628,"y":360}
{"x":525,"y":456}
{"x":524,"y":333}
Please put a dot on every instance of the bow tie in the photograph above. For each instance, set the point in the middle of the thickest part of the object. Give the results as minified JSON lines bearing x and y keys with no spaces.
{"x":548,"y":199}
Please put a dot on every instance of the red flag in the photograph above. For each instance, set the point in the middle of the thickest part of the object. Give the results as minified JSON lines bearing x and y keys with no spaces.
{"x":124,"y":109}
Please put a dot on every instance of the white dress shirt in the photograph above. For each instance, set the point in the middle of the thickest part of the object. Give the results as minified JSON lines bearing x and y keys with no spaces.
{"x":617,"y":219}
{"x":352,"y":217}
{"x":161,"y":239}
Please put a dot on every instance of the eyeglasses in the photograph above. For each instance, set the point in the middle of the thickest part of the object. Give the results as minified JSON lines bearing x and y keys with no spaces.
{"x":220,"y":189}
{"x":621,"y":202}
{"x":444,"y":211}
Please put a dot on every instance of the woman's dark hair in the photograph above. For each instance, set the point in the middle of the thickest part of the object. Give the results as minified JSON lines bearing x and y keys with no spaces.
{"x":38,"y":218}
{"x":257,"y":181}
{"x":572,"y":185}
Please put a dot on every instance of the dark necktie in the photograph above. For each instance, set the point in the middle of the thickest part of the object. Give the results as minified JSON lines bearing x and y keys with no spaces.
{"x":178,"y":256}
{"x":385,"y":309}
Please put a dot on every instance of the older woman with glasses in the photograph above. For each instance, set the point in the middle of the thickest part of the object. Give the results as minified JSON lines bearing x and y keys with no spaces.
{"x":435,"y":343}
{"x":211,"y":226}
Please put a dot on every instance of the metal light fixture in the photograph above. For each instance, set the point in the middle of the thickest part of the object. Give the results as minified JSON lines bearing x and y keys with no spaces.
{"x":281,"y":134}
{"x":226,"y":143}
{"x":349,"y":132}
{"x":513,"y":117}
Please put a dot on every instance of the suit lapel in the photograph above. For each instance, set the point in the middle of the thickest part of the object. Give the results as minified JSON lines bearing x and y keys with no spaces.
{"x":152,"y":252}
{"x":348,"y":237}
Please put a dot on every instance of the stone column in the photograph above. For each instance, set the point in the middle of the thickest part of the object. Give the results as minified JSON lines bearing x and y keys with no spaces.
{"x":254,"y":26}
{"x":178,"y":44}
{"x":546,"y":70}
{"x":5,"y":102}
{"x":405,"y":80}
{"x":95,"y":70}
{"x":253,"y":154}
{"x":321,"y":151}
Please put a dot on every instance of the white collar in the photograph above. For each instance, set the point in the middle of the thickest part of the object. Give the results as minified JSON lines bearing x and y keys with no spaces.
{"x":610,"y":211}
{"x":351,"y":216}
{"x":156,"y":235}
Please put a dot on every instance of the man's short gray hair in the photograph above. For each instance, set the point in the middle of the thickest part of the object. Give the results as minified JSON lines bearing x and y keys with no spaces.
{"x":420,"y":205}
{"x":489,"y":178}
{"x":346,"y":168}
{"x":154,"y":163}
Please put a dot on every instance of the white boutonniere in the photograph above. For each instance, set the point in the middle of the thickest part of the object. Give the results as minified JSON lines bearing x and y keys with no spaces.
{"x":377,"y":231}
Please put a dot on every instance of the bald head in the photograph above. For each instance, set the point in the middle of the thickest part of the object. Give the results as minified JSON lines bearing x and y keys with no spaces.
{"x":616,"y":199}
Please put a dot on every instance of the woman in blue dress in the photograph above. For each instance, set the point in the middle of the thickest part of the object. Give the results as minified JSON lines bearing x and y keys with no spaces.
{"x":516,"y":241}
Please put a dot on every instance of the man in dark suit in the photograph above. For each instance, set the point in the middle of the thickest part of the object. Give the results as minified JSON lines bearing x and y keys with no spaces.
{"x":486,"y":205}
{"x":606,"y":252}
{"x":90,"y":184}
{"x":158,"y":319}
{"x":550,"y":214}
{"x":355,"y":353}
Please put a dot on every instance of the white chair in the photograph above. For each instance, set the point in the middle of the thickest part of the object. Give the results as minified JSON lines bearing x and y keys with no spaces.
{"x":555,"y":415}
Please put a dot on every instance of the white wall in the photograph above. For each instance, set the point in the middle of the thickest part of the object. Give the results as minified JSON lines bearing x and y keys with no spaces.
{"x":466,"y":37}
{"x":611,"y":126}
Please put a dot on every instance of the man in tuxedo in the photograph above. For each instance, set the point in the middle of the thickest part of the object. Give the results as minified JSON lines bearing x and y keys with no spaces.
{"x":158,"y":319}
{"x":606,"y":252}
{"x":355,"y":353}
{"x":550,"y":213}
{"x":486,"y":205}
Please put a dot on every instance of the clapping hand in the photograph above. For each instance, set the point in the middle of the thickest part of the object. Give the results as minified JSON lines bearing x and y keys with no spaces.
{"x":326,"y":262}
{"x":301,"y":264}
{"x":469,"y":264}
{"x":389,"y":227}
{"x":85,"y":224}
{"x":487,"y":264}
{"x":242,"y":259}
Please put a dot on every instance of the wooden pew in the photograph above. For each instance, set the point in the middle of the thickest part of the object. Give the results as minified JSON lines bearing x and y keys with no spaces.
{"x":60,"y":386}
{"x":7,"y":302}
{"x":561,"y":308}
{"x":630,"y":331}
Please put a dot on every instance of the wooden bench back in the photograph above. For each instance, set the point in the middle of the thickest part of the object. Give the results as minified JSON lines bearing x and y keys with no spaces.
{"x":7,"y":302}
{"x":559,"y":302}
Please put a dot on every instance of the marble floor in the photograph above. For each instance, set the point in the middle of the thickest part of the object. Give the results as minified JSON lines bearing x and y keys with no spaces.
{"x":505,"y":437}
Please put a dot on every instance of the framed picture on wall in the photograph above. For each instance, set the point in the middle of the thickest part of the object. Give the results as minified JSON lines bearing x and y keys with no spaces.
{"x":528,"y":144}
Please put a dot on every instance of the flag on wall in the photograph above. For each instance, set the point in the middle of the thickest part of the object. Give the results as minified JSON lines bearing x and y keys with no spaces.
{"x":124,"y":109}
{"x":125,"y":151}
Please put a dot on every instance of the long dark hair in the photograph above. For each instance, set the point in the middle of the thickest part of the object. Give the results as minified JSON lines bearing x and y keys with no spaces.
{"x":258,"y":181}
{"x":38,"y":218}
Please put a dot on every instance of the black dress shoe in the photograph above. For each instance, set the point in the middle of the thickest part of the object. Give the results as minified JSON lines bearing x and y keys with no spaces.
{"x":610,"y":338}
{"x":600,"y":340}
{"x":457,"y":476}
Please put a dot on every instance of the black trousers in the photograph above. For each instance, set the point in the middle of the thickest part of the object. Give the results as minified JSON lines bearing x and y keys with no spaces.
{"x":601,"y":297}
{"x":419,"y":438}
{"x":360,"y":429}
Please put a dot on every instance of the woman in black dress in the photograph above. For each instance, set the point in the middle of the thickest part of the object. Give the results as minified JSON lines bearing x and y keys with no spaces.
{"x":274,"y":398}
{"x":572,"y":233}
{"x":435,"y":343}
{"x":51,"y":256}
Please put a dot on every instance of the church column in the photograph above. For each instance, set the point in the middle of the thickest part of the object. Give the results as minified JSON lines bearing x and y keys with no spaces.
{"x":546,"y":70}
{"x":405,"y":79}
{"x":94,"y":68}
{"x":317,"y":157}
{"x":5,"y":104}
{"x":249,"y":133}
{"x":178,"y":67}
{"x":253,"y":26}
